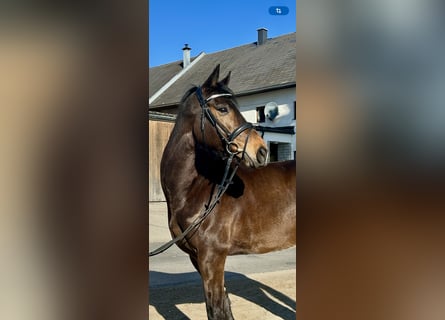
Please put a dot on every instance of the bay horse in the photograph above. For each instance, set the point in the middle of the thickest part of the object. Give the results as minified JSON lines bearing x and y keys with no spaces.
{"x":257,"y":212}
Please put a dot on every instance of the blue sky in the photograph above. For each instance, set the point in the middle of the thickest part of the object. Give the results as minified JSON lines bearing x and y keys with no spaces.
{"x":211,"y":26}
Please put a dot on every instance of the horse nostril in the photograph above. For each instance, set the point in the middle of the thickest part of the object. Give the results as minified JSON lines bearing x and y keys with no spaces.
{"x":262,"y":155}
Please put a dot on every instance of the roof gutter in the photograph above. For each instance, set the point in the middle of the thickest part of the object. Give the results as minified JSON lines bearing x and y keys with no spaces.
{"x":285,"y":130}
{"x":266,"y":89}
{"x":159,"y":116}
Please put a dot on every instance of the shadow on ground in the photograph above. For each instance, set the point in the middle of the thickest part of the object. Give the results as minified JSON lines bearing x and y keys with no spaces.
{"x":166,"y":299}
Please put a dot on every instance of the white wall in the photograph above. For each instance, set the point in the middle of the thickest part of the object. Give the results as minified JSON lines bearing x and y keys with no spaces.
{"x":285,"y":99}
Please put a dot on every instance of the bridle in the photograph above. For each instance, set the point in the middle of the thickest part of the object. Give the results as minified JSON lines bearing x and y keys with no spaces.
{"x":228,"y":139}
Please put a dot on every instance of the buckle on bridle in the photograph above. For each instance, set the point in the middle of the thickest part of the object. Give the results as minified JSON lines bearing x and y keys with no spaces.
{"x":232,"y":148}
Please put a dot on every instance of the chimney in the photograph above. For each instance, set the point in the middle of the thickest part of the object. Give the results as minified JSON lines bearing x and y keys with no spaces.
{"x":186,"y":56}
{"x":262,"y":36}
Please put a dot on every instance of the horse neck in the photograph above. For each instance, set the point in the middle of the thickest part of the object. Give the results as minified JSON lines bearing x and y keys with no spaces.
{"x":180,"y":148}
{"x":186,"y":163}
{"x":177,"y":164}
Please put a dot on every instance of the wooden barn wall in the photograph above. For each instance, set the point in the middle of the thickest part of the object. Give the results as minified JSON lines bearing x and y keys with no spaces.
{"x":158,"y":134}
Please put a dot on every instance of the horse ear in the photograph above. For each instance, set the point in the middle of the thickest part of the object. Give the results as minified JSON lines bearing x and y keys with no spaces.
{"x":226,"y":80}
{"x":213,"y":78}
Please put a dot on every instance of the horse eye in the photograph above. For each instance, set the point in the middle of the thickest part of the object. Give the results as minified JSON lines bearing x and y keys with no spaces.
{"x":222,"y":109}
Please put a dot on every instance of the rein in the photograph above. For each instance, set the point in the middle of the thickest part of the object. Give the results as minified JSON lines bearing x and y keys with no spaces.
{"x":228,"y":138}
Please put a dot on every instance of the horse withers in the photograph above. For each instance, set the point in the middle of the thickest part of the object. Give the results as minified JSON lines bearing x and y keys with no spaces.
{"x":209,"y":130}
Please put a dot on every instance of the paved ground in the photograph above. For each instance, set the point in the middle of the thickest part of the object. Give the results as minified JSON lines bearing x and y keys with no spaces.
{"x":259,"y":286}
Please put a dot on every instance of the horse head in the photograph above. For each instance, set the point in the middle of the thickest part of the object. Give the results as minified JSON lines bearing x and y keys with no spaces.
{"x":219,"y":125}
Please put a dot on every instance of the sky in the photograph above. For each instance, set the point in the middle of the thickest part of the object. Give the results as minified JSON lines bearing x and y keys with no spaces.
{"x":211,"y":26}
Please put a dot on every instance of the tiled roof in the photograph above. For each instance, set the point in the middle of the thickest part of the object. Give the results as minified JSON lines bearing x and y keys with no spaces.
{"x":160,"y":75}
{"x":254,"y":68}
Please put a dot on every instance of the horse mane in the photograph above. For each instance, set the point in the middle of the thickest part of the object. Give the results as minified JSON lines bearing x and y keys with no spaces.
{"x":188,"y":94}
{"x":182,"y":104}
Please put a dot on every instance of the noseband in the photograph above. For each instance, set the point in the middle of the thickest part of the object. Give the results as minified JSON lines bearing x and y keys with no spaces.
{"x":225,"y":135}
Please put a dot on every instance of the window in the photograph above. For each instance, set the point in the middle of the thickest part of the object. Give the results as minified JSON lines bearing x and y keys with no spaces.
{"x":295,"y":110}
{"x":260,"y":116}
{"x":273,"y":151}
{"x":280,"y":151}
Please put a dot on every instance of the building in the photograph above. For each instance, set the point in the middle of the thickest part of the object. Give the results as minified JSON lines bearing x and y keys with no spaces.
{"x":263,"y":80}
